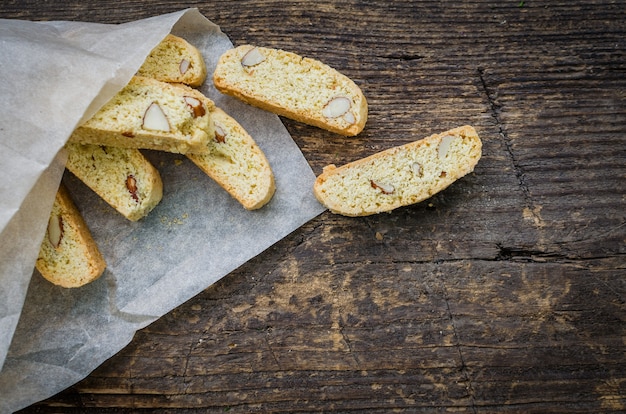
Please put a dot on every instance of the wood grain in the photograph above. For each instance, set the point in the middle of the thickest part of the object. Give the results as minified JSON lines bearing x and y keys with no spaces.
{"x":504,"y":293}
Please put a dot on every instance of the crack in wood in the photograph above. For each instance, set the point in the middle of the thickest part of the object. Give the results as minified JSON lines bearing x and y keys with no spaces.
{"x":530,"y":255}
{"x":270,"y":349}
{"x":493,"y":106}
{"x":403,"y":56}
{"x":187,"y":383}
{"x":514,"y":254}
{"x":457,"y":344}
{"x":349,"y":346}
{"x":531,"y":208}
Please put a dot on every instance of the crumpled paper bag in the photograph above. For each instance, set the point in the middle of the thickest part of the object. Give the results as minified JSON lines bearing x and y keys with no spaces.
{"x":57,"y":74}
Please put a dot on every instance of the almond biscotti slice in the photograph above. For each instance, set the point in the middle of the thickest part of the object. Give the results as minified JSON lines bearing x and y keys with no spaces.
{"x":151,"y":114}
{"x":237,"y":163}
{"x":68,"y":256}
{"x":175,"y":60}
{"x":399,"y":176}
{"x":122,"y":177}
{"x":293,"y":86}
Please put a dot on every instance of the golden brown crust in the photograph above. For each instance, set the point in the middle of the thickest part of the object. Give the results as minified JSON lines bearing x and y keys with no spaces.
{"x":68,"y":256}
{"x":175,"y":60}
{"x":399,"y":176}
{"x":237,"y":163}
{"x":292,"y":86}
{"x":122,"y":177}
{"x":122,"y":122}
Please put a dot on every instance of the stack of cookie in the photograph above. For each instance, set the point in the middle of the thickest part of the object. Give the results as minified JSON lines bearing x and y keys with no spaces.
{"x":159,"y":109}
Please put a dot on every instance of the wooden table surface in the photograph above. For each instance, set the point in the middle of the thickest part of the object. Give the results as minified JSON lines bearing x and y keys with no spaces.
{"x":504,"y":293}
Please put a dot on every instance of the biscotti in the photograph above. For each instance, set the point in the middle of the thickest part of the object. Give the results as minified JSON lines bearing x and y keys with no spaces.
{"x":122,"y":177}
{"x":175,"y":60}
{"x":151,"y":114}
{"x":399,"y":176}
{"x":237,"y":163}
{"x":293,"y":86}
{"x":68,"y":256}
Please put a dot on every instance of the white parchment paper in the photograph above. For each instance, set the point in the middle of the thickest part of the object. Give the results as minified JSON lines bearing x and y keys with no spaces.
{"x":56,"y":74}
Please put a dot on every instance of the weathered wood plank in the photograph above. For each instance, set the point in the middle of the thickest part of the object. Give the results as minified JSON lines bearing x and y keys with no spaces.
{"x":505,"y":292}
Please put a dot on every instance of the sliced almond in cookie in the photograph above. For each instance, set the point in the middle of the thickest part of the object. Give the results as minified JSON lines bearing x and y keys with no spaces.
{"x":154,"y":119}
{"x":122,"y":177}
{"x":237,"y":163}
{"x":292,"y":86}
{"x":406,"y":174}
{"x":68,"y":255}
{"x":150,"y":114}
{"x":175,"y":60}
{"x":253,"y":57}
{"x":336,"y":107}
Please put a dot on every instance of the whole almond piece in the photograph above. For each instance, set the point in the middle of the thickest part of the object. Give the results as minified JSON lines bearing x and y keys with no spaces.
{"x":252,"y":57}
{"x":384,"y":188}
{"x":196,"y":106}
{"x":55,"y":230}
{"x":131,"y":185}
{"x":417,"y":169}
{"x":444,"y":146}
{"x":220,"y":134}
{"x":336,"y":107}
{"x":155,"y":119}
{"x":184,"y":66}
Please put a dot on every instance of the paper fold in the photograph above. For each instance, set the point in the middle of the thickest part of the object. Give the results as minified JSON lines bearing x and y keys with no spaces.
{"x":56,"y":73}
{"x":195,"y":236}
